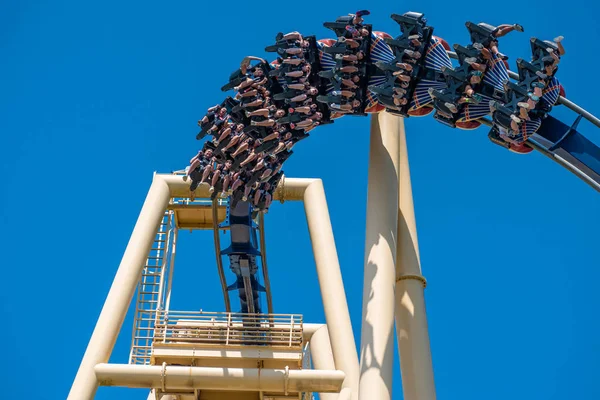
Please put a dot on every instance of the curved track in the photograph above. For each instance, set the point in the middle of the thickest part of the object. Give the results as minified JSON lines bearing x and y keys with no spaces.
{"x":361,"y":72}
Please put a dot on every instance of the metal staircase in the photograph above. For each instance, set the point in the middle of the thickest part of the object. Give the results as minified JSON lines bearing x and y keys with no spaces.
{"x":150,"y":291}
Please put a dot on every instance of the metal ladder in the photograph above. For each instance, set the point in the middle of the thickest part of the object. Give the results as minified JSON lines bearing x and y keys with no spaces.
{"x":150,"y":292}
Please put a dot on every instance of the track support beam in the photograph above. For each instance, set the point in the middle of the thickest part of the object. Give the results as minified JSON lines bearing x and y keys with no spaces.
{"x":377,"y":340}
{"x":411,"y":319}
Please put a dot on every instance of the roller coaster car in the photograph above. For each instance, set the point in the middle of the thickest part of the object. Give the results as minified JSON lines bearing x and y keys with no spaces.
{"x":218,"y":149}
{"x":527,"y":72}
{"x":411,"y":23}
{"x":203,"y":131}
{"x":518,"y":92}
{"x":466,"y":52}
{"x":329,"y":99}
{"x":494,"y":136}
{"x":290,"y":118}
{"x":282,"y":44}
{"x":563,"y":142}
{"x":288,"y":94}
{"x":236,"y":114}
{"x":538,"y":48}
{"x":298,"y":135}
{"x":219,"y":155}
{"x":279,"y":72}
{"x":337,"y":48}
{"x":385,"y":97}
{"x":451,"y":94}
{"x":268,"y":146}
{"x":402,"y":43}
{"x":257,"y":132}
{"x":360,"y":94}
{"x":287,"y":67}
{"x":391,"y":107}
{"x":444,"y":116}
{"x":481,"y":33}
{"x":501,"y":117}
{"x":284,"y":155}
{"x":339,"y":26}
{"x":513,"y":95}
{"x":455,"y":83}
{"x":312,"y":55}
{"x":229,"y":103}
{"x":238,"y":77}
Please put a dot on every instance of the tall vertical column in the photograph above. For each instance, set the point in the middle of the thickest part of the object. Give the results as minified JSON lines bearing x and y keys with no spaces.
{"x":411,"y":319}
{"x":377,"y":339}
{"x":121,"y":292}
{"x":333,"y":294}
{"x":322,"y":356}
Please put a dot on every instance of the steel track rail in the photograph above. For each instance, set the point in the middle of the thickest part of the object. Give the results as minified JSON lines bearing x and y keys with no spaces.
{"x":263,"y":259}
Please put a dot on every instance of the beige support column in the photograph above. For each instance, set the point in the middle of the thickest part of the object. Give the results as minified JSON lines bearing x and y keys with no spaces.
{"x":333,"y":294}
{"x":411,"y":318}
{"x":322,"y":356}
{"x":377,"y":339}
{"x":215,"y":378}
{"x":121,"y":292}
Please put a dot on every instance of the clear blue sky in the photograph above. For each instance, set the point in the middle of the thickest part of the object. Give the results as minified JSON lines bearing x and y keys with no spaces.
{"x":97,"y":96}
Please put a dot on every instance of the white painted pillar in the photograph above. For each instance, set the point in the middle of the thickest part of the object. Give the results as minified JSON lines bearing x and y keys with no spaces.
{"x":377,"y":339}
{"x":333,"y":294}
{"x":411,"y":319}
{"x":322,"y":356}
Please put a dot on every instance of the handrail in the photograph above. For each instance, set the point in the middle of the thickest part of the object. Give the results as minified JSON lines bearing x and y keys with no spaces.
{"x":561,"y":100}
{"x":229,"y":329}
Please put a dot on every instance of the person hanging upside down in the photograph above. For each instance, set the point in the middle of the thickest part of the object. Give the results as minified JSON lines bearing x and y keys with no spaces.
{"x":292,"y":36}
{"x":472,"y":61}
{"x":210,"y":115}
{"x":216,"y":118}
{"x":470,"y":96}
{"x":357,"y":19}
{"x":505,"y":29}
{"x":351,"y":58}
{"x":224,"y":133}
{"x":356,"y":33}
{"x":516,"y":121}
{"x":558,"y":41}
{"x":351,"y":43}
{"x":291,"y":60}
{"x":238,"y":136}
{"x":345,"y":107}
{"x":343,"y":93}
{"x":399,"y":100}
{"x":412,"y":54}
{"x":226,"y":181}
{"x":487,"y":49}
{"x":400,"y":75}
{"x":303,"y":109}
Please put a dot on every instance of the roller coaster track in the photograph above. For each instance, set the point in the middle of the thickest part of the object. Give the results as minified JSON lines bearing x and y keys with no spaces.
{"x":560,"y":142}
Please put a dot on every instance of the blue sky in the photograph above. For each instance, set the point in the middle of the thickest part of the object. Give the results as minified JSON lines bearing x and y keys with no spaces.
{"x":95,"y":97}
